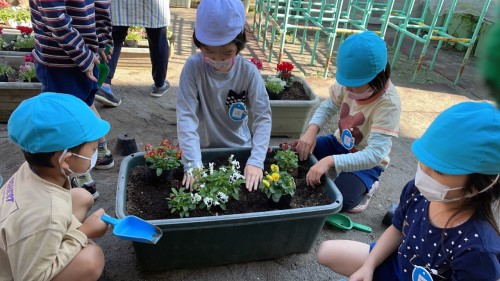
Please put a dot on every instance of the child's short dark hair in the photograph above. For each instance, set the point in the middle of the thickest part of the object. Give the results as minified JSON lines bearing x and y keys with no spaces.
{"x":42,"y":159}
{"x":239,"y":41}
{"x":380,"y":81}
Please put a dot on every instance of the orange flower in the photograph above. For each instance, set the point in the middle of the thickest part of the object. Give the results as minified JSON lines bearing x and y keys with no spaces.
{"x":165,"y":142}
{"x":178,"y":154}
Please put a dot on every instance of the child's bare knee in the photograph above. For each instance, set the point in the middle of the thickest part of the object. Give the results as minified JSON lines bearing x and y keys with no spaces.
{"x":82,"y":197}
{"x":324,"y":255}
{"x":91,"y":261}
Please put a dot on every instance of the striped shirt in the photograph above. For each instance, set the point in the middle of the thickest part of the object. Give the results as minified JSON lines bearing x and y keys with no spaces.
{"x":147,"y":13}
{"x":69,"y":33}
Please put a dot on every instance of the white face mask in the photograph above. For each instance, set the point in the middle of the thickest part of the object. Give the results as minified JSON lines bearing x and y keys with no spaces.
{"x":361,"y":96}
{"x":224,"y":65}
{"x":92,"y":159}
{"x":433,"y":190}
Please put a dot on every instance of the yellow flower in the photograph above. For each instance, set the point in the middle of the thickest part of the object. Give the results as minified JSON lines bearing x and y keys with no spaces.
{"x":266,"y":183}
{"x":269,"y":177}
{"x":276,"y":176}
{"x":275,"y":168}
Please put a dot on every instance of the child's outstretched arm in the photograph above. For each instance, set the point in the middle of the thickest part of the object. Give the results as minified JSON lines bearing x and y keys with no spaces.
{"x":386,"y":245}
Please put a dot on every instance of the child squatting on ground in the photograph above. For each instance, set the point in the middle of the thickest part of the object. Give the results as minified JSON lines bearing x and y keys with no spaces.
{"x":42,"y":237}
{"x":219,"y":89}
{"x":444,"y":227}
{"x":369,"y":109}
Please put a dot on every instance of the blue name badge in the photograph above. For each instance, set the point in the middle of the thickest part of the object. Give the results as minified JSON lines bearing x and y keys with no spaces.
{"x":238,"y":111}
{"x":347,"y":139}
{"x":420,"y":274}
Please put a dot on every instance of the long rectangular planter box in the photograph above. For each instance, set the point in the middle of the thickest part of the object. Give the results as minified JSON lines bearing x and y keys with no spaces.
{"x":13,"y":93}
{"x":226,"y":239}
{"x":289,"y":117}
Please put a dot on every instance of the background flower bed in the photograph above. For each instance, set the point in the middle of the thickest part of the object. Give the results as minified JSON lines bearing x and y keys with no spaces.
{"x":149,"y":200}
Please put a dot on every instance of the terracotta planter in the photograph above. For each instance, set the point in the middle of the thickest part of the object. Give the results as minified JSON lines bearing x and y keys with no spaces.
{"x":290,"y":117}
{"x":225,"y":239}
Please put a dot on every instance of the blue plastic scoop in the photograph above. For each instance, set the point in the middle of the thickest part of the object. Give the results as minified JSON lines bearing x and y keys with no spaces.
{"x":134,"y":229}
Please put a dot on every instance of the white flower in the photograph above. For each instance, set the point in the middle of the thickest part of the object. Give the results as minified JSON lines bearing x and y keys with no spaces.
{"x":204,"y":175}
{"x":197,"y":197}
{"x":208,"y":201}
{"x":216,"y":203}
{"x":222,"y":197}
{"x":223,"y":169}
{"x":211,"y":168}
{"x":202,"y":185}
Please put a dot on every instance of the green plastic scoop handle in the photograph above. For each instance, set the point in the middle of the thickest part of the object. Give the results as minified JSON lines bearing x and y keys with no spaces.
{"x":344,"y":222}
{"x":103,"y":67}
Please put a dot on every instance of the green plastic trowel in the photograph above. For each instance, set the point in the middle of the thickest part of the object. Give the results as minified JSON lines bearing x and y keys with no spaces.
{"x":103,"y":68}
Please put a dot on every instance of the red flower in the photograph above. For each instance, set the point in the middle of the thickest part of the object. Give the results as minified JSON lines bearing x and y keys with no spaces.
{"x":25,"y":29}
{"x":285,"y":70}
{"x":284,"y":67}
{"x":3,"y":4}
{"x":28,"y":58}
{"x":257,"y":63}
{"x":1,"y":29}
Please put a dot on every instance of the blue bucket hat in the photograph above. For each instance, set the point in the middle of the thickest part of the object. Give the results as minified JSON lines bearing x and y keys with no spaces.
{"x":218,"y":22}
{"x":52,"y":122}
{"x":360,"y":58}
{"x":463,"y":139}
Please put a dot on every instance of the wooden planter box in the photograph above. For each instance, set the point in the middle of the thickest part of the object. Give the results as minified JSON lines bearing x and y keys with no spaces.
{"x":13,"y":93}
{"x":225,"y":239}
{"x":290,"y":117}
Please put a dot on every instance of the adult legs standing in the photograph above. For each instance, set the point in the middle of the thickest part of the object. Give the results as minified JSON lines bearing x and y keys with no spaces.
{"x":158,"y":52}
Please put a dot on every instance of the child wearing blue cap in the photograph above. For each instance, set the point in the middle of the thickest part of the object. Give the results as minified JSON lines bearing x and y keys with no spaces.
{"x":219,"y":89}
{"x":369,"y":109}
{"x":43,"y":237}
{"x":444,"y":227}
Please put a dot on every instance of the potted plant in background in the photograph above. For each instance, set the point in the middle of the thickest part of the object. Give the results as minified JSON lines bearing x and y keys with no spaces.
{"x":27,"y":72}
{"x":162,"y":160}
{"x":215,"y":239}
{"x":134,"y":35}
{"x":15,"y":91}
{"x":291,"y":111}
{"x":6,"y":71}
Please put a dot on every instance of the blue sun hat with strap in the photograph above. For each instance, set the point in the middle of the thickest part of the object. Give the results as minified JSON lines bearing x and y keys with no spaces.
{"x":463,"y":139}
{"x":218,"y":22}
{"x":52,"y":122}
{"x":360,"y":58}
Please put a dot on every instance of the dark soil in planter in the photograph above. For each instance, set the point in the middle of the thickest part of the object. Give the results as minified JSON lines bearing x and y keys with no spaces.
{"x":149,"y":200}
{"x":295,"y":91}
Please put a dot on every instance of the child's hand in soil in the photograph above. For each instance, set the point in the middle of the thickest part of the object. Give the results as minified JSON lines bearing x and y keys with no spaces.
{"x":253,"y":177}
{"x":313,"y":177}
{"x":94,"y":226}
{"x":187,"y":181}
{"x":307,"y":142}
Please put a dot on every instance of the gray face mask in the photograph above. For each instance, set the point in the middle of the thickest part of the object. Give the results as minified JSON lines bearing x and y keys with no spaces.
{"x":432,"y":190}
{"x":92,"y":159}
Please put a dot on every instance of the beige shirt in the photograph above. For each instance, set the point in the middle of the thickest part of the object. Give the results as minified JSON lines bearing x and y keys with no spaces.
{"x":38,"y":231}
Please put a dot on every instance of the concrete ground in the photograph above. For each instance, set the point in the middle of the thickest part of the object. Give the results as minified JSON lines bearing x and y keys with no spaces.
{"x":151,"y":119}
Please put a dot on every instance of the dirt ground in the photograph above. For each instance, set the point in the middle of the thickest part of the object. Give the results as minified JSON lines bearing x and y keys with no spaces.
{"x":151,"y":120}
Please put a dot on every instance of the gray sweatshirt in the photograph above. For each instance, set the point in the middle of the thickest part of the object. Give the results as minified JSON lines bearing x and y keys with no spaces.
{"x":203,"y":103}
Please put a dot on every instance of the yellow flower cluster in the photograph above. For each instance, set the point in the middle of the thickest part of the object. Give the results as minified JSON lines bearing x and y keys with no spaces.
{"x":274,"y":177}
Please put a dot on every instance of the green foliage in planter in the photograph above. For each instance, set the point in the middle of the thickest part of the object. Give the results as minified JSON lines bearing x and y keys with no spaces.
{"x":14,"y":13}
{"x":5,"y":69}
{"x":133,"y":36}
{"x":27,"y":72}
{"x":287,"y":159}
{"x":163,"y":157}
{"x":182,"y":202}
{"x":274,"y":84}
{"x":212,"y":187}
{"x":24,"y":42}
{"x":277,"y":183}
